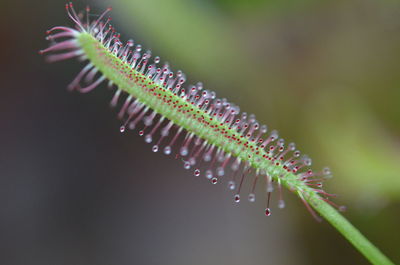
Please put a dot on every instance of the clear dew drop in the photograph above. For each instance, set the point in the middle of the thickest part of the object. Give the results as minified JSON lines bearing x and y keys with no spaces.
{"x":231,"y":185}
{"x":131,"y":126}
{"x":167,"y":150}
{"x":186,"y":165}
{"x":281,"y":204}
{"x":342,"y":208}
{"x":164,"y":132}
{"x":141,"y":133}
{"x":214,"y":180}
{"x":207,"y":157}
{"x":148,"y":139}
{"x":235,"y":166}
{"x":192,"y":161}
{"x":220,"y":171}
{"x":209,"y":174}
{"x":252,"y":197}
{"x":267,"y":211}
{"x":327,"y":173}
{"x":122,"y":129}
{"x":307,"y":161}
{"x":148,"y":121}
{"x":237,"y":198}
{"x":155,"y":148}
{"x":197,"y":172}
{"x":184,"y":151}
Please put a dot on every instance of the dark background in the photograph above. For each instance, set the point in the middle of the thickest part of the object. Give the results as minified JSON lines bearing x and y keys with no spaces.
{"x":73,"y":190}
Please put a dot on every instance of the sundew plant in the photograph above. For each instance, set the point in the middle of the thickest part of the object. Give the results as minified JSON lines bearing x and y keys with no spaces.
{"x":211,"y":135}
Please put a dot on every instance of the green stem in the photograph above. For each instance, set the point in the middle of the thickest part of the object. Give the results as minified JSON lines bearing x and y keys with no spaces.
{"x":360,"y":242}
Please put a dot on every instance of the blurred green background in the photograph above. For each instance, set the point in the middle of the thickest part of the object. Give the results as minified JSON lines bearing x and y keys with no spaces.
{"x":324,"y":73}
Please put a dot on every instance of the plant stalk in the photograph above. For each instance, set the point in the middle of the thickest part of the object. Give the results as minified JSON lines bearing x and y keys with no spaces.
{"x":352,"y":234}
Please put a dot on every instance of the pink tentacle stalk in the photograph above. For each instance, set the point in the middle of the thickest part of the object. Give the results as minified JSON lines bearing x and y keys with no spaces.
{"x":78,"y":78}
{"x":91,"y":86}
{"x":65,"y":45}
{"x":64,"y":56}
